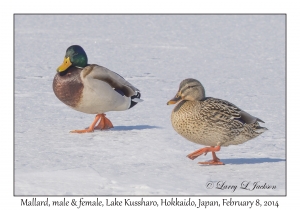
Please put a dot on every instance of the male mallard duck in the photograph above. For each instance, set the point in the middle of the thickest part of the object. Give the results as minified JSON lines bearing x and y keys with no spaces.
{"x":92,"y":89}
{"x":210,"y":121}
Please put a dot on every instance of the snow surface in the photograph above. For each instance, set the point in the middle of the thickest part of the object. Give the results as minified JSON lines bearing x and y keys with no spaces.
{"x":239,"y":58}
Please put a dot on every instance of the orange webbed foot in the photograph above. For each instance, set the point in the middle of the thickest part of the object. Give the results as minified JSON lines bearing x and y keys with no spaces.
{"x":88,"y":130}
{"x":91,"y":128}
{"x":205,"y":150}
{"x":104,"y":123}
{"x":199,"y":152}
{"x":212,"y":162}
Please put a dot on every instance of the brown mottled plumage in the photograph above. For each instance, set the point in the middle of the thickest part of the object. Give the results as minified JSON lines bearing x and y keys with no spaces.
{"x":210,"y":121}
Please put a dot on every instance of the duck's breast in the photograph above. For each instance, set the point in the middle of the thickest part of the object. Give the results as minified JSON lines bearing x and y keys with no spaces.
{"x":189,"y":120}
{"x":68,"y":86}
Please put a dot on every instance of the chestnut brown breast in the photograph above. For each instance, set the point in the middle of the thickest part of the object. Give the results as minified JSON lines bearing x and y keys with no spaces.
{"x":68,"y":86}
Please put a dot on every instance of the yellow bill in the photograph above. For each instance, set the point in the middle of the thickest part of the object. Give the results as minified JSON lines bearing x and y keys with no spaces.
{"x":174,"y":100}
{"x":66,"y":64}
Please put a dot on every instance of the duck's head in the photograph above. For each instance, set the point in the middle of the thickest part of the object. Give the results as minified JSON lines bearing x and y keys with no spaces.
{"x":75,"y":56}
{"x":190,"y":90}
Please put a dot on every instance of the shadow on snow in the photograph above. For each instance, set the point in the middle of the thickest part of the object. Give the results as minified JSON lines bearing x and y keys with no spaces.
{"x":133,"y":127}
{"x":251,"y":160}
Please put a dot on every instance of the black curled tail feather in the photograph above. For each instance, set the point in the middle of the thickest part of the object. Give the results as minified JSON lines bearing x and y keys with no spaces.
{"x":133,"y":102}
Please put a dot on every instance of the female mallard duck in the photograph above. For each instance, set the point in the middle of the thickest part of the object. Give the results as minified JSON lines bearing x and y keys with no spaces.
{"x":210,"y":121}
{"x":92,"y":89}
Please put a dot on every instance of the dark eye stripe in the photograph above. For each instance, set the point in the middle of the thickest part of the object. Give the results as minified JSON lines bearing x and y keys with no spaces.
{"x":188,"y":87}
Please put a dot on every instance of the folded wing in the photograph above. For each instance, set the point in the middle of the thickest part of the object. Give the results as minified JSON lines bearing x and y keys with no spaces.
{"x":116,"y":81}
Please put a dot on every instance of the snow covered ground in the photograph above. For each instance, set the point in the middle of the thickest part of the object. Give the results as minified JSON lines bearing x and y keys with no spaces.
{"x":239,"y":58}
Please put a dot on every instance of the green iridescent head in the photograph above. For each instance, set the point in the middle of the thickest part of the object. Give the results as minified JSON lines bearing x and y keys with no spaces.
{"x":75,"y":56}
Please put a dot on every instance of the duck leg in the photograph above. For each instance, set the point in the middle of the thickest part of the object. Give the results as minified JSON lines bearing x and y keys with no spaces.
{"x":91,"y":128}
{"x":214,"y":161}
{"x":104,"y":123}
{"x":205,"y":150}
